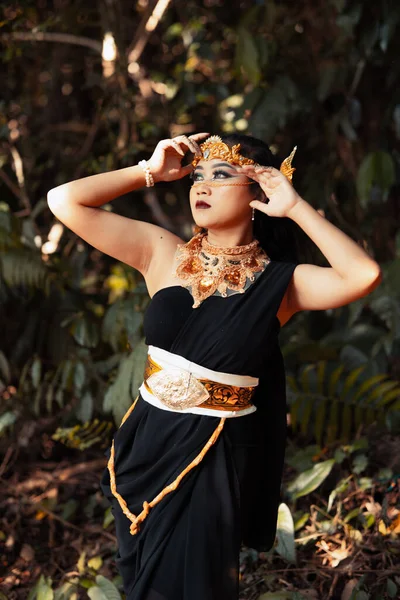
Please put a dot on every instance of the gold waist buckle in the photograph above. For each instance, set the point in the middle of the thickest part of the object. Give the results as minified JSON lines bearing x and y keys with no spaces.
{"x":178,"y":389}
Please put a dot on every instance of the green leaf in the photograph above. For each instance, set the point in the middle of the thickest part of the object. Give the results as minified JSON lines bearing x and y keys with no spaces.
{"x":308,"y":405}
{"x":285,"y":534}
{"x":320,"y":419}
{"x":339,"y":455}
{"x":36,"y":372}
{"x":68,"y":591}
{"x":112,"y":325}
{"x":334,"y":379}
{"x":85,"y":332}
{"x":95,"y":562}
{"x":79,"y":376}
{"x":302,"y":459}
{"x":368,"y":385}
{"x":6,"y":419}
{"x":49,"y":398}
{"x":333,"y":421}
{"x":327,"y":80}
{"x":391,"y":588}
{"x":139,"y":357}
{"x":123,"y":390}
{"x":340,"y":488}
{"x":350,"y":380}
{"x":69,"y":508}
{"x":393,"y":394}
{"x":247,"y":56}
{"x":95,"y":593}
{"x":377,"y":169}
{"x":352,"y":514}
{"x":133,"y":322}
{"x":108,"y":517}
{"x":360,"y":463}
{"x":301,"y":521}
{"x":44,"y":591}
{"x":81,"y":562}
{"x":103,"y":590}
{"x":84,"y":411}
{"x":5,"y":367}
{"x":307,"y":482}
{"x":294,"y":412}
{"x":306,"y":377}
{"x":67,"y":375}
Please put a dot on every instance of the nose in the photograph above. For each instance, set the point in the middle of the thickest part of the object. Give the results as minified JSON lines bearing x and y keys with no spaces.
{"x":202,"y":188}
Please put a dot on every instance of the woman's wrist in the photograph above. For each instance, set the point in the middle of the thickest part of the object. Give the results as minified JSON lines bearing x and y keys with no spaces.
{"x":144,"y":165}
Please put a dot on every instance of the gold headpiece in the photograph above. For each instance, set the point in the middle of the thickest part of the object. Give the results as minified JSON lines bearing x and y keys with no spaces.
{"x":214,"y":147}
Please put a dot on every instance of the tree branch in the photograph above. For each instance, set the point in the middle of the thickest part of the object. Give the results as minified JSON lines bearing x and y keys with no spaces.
{"x":63,"y":38}
{"x":152,"y":16}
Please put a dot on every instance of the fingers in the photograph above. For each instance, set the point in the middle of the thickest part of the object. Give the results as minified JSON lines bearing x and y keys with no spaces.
{"x":177,"y":147}
{"x":198,"y":136}
{"x":165,"y":144}
{"x":259,"y":170}
{"x":179,"y":141}
{"x":182,"y":143}
{"x":186,"y":170}
{"x":189,"y":143}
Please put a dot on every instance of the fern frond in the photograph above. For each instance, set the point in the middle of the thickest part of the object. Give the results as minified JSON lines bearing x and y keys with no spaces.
{"x":86,"y":435}
{"x":352,"y":399}
{"x":21,"y":267}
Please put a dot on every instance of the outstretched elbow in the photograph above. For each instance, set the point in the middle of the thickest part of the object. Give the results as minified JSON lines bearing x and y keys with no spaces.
{"x":375,"y":279}
{"x":56,"y":199}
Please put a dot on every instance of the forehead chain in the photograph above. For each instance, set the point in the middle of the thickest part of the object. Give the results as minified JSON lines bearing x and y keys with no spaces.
{"x":222,"y":183}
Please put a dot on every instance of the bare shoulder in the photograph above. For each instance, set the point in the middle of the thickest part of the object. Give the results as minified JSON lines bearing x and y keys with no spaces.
{"x":159,"y":273}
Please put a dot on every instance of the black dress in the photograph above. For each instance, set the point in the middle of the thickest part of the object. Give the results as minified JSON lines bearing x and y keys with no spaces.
{"x":188,"y":546}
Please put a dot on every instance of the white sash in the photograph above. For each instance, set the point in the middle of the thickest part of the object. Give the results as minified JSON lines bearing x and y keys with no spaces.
{"x":168,"y":359}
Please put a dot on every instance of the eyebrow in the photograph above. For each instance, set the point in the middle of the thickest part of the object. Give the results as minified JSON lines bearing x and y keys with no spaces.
{"x":223,"y":164}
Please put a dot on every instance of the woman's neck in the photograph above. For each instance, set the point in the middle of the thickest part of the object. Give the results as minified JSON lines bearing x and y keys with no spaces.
{"x":229,"y":239}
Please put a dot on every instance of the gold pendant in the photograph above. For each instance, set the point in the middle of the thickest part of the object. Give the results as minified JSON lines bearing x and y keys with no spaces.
{"x":205,"y":269}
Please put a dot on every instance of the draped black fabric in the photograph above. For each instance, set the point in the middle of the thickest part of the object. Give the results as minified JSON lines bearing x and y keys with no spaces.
{"x":188,"y":546}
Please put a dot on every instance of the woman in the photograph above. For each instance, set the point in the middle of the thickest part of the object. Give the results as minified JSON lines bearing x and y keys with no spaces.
{"x":187,"y":489}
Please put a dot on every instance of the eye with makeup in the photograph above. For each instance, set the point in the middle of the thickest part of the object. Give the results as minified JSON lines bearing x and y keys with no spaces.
{"x":197,"y":176}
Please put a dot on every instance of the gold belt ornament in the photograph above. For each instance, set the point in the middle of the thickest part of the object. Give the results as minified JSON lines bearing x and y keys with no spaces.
{"x":178,"y":389}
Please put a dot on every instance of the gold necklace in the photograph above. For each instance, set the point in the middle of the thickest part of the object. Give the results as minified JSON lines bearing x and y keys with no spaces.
{"x":205,"y":268}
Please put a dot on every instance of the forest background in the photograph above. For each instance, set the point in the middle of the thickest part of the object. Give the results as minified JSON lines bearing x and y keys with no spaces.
{"x":90,"y":87}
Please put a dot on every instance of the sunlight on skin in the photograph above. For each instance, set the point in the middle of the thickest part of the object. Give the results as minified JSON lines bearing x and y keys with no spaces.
{"x":228,"y":220}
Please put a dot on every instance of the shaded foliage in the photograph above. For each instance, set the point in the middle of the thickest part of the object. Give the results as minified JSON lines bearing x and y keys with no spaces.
{"x":323,"y":76}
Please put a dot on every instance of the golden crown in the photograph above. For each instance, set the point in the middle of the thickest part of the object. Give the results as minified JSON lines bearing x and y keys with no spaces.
{"x":214,"y":147}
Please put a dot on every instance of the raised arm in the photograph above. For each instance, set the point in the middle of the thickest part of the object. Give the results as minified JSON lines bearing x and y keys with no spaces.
{"x":78,"y":203}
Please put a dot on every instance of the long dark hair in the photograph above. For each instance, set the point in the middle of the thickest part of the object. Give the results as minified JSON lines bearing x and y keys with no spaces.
{"x":280,"y":237}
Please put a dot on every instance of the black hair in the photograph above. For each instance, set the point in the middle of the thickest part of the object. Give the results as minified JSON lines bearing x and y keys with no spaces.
{"x":280,"y":237}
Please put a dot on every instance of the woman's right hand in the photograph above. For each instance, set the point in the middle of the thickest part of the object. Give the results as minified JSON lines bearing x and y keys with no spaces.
{"x":165,"y":162}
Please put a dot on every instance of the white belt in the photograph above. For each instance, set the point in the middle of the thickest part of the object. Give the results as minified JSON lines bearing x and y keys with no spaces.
{"x":170,"y":362}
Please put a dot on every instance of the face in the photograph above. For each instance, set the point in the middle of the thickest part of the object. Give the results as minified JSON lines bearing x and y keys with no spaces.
{"x":228,"y":205}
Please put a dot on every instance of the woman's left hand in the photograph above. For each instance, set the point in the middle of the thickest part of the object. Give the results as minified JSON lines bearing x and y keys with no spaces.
{"x":275,"y":185}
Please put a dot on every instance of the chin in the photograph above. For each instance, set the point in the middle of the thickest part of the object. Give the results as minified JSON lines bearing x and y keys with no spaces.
{"x":202,"y":221}
{"x":207,"y":224}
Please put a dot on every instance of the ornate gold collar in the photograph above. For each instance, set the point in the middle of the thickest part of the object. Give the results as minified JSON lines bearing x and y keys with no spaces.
{"x":205,"y":268}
